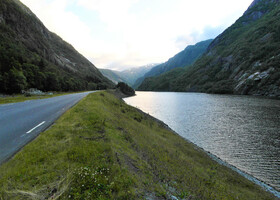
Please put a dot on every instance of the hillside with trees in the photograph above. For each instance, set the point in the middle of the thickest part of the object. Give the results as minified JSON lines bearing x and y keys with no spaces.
{"x":33,"y":57}
{"x":244,"y":59}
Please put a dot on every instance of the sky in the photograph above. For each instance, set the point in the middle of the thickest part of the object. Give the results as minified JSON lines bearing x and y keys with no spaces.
{"x":120,"y":34}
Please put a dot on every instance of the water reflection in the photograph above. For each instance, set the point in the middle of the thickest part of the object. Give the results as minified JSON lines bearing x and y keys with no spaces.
{"x":242,"y":130}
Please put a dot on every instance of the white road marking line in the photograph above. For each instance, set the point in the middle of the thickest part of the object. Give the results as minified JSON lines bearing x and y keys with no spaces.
{"x":35,"y":127}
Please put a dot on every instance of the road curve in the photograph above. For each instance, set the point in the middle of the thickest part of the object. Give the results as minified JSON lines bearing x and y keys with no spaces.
{"x":22,"y":122}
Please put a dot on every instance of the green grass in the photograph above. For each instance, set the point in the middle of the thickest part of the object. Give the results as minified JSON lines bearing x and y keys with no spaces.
{"x":105,"y":149}
{"x":20,"y":97}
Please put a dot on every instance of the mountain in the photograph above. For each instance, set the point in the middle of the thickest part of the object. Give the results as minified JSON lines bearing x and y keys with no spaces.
{"x":134,"y":73}
{"x":113,"y":75}
{"x":184,"y":58}
{"x":244,"y":59}
{"x":160,"y":82}
{"x":33,"y":57}
{"x":128,"y":76}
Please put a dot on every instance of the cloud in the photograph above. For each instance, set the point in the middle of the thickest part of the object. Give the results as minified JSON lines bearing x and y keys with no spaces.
{"x":182,"y":40}
{"x":157,"y":34}
{"x":65,"y":23}
{"x":135,"y":32}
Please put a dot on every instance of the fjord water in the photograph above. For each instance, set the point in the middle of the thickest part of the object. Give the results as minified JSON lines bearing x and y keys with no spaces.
{"x":243,"y":131}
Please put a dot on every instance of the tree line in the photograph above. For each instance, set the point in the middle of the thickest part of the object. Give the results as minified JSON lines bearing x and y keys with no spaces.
{"x":20,"y":72}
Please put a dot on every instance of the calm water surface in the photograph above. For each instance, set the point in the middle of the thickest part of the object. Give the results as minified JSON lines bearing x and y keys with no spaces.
{"x":241,"y":130}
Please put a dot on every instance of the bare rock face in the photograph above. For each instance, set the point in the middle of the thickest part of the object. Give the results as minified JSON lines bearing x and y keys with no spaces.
{"x":2,"y":20}
{"x":257,"y":9}
{"x":247,"y":81}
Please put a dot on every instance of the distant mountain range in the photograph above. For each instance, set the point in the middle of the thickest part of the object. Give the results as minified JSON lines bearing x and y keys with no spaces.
{"x":244,"y":59}
{"x":135,"y":76}
{"x":128,"y":76}
{"x":33,"y":57}
{"x":184,"y":58}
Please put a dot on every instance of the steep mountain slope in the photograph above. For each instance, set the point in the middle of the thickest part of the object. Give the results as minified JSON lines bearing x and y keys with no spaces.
{"x":128,"y":76}
{"x":244,"y":59}
{"x":113,"y":75}
{"x":184,"y":58}
{"x":32,"y":56}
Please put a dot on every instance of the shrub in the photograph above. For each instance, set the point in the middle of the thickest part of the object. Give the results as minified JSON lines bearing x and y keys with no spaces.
{"x":124,"y":88}
{"x":16,"y":80}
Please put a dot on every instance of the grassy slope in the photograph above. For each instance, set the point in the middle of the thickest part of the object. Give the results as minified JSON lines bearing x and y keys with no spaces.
{"x":21,"y":97}
{"x":105,"y":149}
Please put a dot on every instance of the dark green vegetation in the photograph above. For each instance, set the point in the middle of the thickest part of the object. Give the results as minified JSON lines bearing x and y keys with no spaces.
{"x":33,"y":57}
{"x":162,"y":82}
{"x":105,"y":149}
{"x":128,"y":76}
{"x":183,"y":59}
{"x":125,"y":89}
{"x":244,"y":59}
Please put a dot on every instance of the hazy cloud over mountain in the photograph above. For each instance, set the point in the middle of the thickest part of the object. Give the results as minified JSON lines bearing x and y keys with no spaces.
{"x":135,"y":32}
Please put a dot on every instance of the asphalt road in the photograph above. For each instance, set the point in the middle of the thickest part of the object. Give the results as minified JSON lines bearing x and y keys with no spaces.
{"x":22,"y":122}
